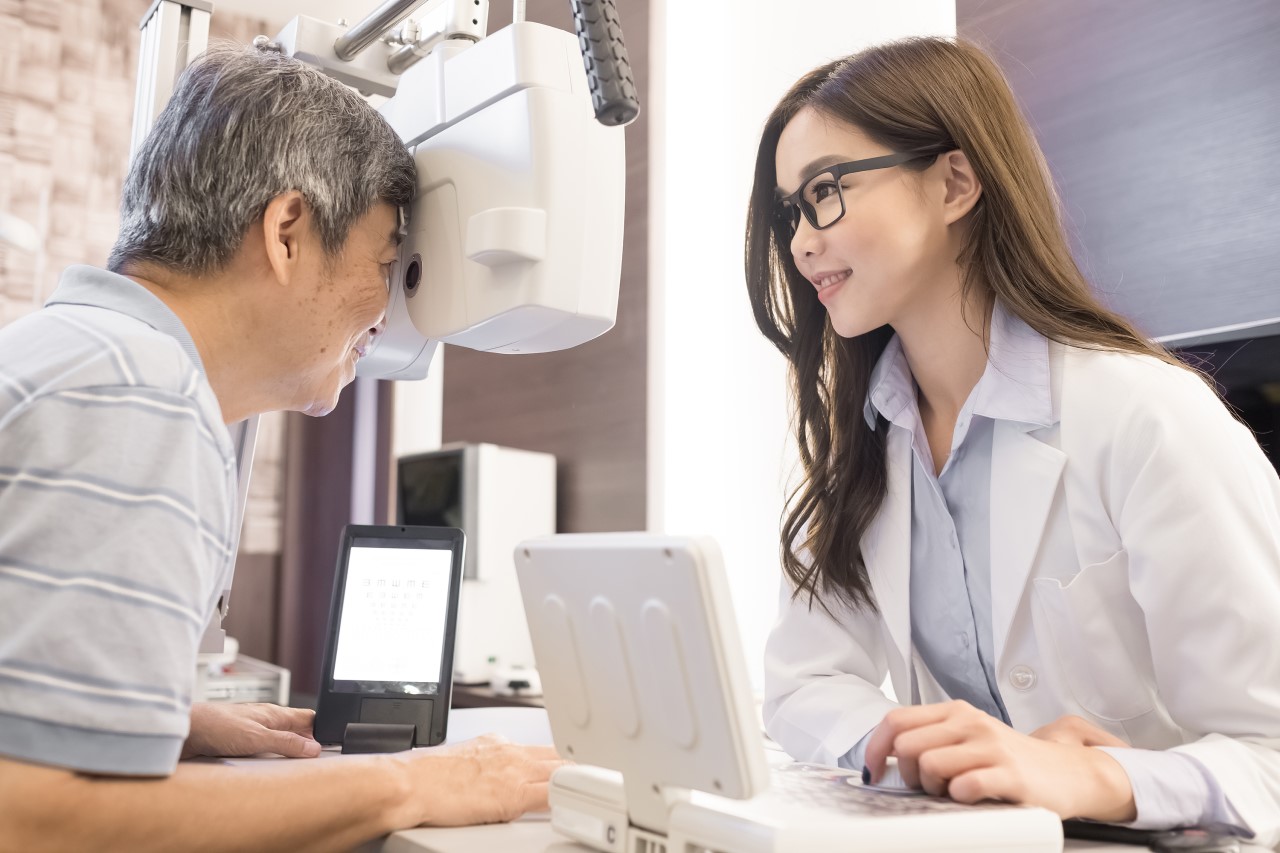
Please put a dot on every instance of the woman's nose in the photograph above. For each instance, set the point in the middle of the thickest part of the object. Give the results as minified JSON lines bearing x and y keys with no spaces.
{"x":806,"y":241}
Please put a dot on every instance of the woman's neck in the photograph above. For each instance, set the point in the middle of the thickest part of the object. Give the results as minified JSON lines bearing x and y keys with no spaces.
{"x":946,"y":350}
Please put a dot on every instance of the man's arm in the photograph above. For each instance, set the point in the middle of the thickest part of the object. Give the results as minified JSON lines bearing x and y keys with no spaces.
{"x":331,"y":804}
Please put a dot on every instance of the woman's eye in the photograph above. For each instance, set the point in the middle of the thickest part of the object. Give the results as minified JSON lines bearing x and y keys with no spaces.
{"x":825,"y":190}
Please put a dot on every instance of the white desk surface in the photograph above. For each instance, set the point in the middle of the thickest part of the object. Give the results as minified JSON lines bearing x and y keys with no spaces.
{"x":537,"y":836}
{"x":533,"y":833}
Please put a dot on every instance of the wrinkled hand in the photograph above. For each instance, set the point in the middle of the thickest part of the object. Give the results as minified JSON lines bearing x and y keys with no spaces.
{"x":227,"y":730}
{"x":1076,"y":731}
{"x":953,"y":749}
{"x":484,"y":780}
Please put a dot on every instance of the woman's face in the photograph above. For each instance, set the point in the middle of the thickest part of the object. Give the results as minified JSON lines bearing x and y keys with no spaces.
{"x":891,"y":254}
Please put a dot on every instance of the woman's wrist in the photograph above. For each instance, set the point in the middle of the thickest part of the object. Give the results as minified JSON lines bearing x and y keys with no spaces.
{"x":1109,"y":795}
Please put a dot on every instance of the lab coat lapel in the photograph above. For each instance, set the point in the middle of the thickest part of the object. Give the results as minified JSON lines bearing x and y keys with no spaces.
{"x":1024,"y":477}
{"x":887,"y":551}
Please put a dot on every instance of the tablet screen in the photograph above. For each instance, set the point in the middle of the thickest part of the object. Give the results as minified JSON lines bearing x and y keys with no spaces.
{"x":394,"y":617}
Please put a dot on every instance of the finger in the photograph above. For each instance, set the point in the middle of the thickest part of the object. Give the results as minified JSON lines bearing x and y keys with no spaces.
{"x":290,"y":745}
{"x":542,"y":753}
{"x":916,"y":742}
{"x":548,"y":766}
{"x":938,"y":767}
{"x":533,"y":797}
{"x":984,"y":783}
{"x":897,"y":721}
{"x":284,"y":719}
{"x":302,"y":720}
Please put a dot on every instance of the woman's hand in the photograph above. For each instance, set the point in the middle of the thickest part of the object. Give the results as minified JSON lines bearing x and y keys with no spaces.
{"x":1076,"y":731}
{"x":953,"y":749}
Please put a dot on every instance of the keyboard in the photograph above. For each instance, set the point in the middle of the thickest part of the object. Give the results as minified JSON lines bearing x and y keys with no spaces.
{"x":818,"y":786}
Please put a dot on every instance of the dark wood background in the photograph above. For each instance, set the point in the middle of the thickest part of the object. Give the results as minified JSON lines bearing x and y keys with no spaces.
{"x":1161,"y":122}
{"x":586,"y":405}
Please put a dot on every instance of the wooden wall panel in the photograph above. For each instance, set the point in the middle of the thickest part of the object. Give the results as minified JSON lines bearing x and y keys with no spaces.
{"x":1160,"y":120}
{"x":586,"y":405}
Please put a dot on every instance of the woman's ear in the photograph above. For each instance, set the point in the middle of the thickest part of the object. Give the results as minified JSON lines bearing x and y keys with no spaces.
{"x":962,"y":186}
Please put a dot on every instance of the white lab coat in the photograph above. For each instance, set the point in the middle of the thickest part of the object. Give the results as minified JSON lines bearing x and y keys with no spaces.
{"x":1135,"y":582}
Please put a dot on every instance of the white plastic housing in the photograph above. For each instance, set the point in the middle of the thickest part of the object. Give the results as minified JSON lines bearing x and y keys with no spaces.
{"x":514,"y":493}
{"x":641,"y":665}
{"x":517,"y":225}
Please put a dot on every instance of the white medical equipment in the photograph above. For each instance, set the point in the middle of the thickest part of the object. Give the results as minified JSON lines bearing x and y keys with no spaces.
{"x":646,"y":686}
{"x":514,"y":241}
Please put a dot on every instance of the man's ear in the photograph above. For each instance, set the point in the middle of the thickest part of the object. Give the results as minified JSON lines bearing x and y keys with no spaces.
{"x":962,"y":186}
{"x":285,"y":223}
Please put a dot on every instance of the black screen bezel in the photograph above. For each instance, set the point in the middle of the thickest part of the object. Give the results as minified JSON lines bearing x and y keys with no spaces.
{"x":336,"y":708}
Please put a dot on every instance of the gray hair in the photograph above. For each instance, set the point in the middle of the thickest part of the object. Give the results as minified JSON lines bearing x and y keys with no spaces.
{"x":243,"y":126}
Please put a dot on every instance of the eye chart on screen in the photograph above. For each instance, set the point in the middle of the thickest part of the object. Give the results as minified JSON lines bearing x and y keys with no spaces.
{"x":394,"y":613}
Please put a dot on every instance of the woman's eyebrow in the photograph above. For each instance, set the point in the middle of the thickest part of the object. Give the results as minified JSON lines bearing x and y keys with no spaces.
{"x":814,"y":165}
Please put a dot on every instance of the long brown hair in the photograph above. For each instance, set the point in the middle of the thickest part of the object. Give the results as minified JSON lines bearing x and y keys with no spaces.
{"x":926,"y":96}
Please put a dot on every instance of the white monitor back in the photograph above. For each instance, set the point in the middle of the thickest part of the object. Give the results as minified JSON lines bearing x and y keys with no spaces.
{"x":642,"y":665}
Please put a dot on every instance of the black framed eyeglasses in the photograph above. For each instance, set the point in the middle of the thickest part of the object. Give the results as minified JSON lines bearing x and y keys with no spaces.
{"x":821,"y":198}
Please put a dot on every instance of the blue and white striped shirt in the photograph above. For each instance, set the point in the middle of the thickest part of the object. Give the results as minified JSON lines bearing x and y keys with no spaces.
{"x":117,"y":484}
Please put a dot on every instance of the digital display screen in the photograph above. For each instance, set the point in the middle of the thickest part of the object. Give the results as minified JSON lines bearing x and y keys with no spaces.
{"x":395,"y":606}
{"x":431,"y":490}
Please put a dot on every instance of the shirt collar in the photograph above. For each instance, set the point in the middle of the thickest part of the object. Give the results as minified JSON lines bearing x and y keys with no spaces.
{"x":98,"y":288}
{"x":1014,"y":387}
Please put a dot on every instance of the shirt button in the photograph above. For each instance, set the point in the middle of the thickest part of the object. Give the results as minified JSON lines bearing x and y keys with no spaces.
{"x":1022,"y":677}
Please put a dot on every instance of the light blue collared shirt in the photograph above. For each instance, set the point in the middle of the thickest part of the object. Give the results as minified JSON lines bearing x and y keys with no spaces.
{"x":950,"y":510}
{"x":950,"y":584}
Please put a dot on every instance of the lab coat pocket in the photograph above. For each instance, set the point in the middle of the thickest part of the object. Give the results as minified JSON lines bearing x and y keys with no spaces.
{"x":1099,"y":634}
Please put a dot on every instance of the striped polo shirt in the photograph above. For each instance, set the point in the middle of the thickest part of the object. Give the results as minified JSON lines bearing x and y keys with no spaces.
{"x":117,"y":484}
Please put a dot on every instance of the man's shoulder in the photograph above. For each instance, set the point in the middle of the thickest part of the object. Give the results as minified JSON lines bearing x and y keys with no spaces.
{"x":66,"y":347}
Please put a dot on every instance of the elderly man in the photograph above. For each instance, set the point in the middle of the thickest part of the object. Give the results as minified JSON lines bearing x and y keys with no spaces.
{"x":259,"y":223}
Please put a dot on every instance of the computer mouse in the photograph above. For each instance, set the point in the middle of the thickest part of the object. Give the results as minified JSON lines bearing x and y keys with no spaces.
{"x":891,"y":782}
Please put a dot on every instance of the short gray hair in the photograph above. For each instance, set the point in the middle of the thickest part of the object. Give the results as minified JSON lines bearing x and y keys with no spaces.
{"x":243,"y":126}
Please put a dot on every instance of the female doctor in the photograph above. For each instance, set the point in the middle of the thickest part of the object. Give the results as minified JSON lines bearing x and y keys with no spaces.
{"x":1051,"y":535}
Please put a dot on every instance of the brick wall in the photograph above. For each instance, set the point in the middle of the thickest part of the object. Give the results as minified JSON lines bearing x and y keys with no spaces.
{"x":68,"y":69}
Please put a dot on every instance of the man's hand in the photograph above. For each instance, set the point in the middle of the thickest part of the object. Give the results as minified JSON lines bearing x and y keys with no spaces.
{"x":484,"y":780}
{"x":227,"y":730}
{"x":953,"y":749}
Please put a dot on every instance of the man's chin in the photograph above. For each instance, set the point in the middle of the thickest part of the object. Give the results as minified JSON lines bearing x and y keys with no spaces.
{"x":320,"y":408}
